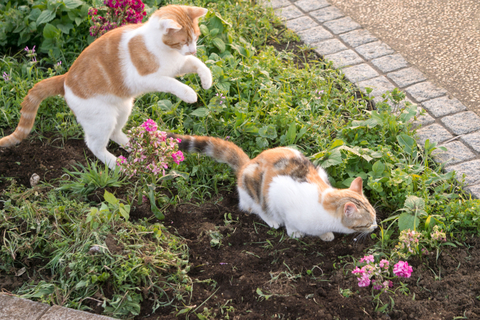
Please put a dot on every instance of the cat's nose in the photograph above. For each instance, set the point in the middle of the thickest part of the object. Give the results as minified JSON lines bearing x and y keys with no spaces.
{"x":193,"y":53}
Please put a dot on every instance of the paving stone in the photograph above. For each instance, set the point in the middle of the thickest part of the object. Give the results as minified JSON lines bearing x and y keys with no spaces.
{"x":443,"y":106}
{"x":463,"y":122}
{"x":358,"y":37}
{"x":302,"y":23}
{"x":344,"y":58}
{"x":275,"y":4}
{"x":327,"y":14}
{"x":380,"y":85}
{"x":290,"y":12}
{"x":456,"y":152}
{"x":60,"y":313}
{"x":310,"y":5}
{"x":406,"y":77}
{"x":473,"y":140}
{"x":425,"y":91}
{"x":434,"y":133}
{"x":315,"y":35}
{"x":329,"y":46}
{"x":13,"y":308}
{"x":422,"y":120}
{"x":470,"y":169}
{"x":359,"y":73}
{"x":374,"y":50}
{"x":390,"y":63}
{"x":341,"y":25}
{"x":475,"y":191}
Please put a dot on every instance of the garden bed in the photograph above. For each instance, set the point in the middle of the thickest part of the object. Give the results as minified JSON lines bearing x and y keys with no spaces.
{"x":254,"y":272}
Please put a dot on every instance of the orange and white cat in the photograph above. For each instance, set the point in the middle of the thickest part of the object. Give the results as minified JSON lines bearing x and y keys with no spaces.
{"x":123,"y":63}
{"x":285,"y":189}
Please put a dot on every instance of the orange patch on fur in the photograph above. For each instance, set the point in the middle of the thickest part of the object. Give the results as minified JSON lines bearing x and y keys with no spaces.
{"x":98,"y":70}
{"x":142,"y":59}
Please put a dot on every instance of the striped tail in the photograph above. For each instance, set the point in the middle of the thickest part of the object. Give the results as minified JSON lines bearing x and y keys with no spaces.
{"x":42,"y":90}
{"x":219,"y":149}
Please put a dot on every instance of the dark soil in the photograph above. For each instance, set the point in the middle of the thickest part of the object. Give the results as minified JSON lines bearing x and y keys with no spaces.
{"x":303,"y":279}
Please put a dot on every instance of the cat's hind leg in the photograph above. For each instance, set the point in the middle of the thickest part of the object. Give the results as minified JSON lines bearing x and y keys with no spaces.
{"x":97,"y":118}
{"x":123,"y":113}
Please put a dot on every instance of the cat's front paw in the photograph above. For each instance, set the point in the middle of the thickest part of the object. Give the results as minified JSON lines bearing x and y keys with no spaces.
{"x":327,"y":236}
{"x":206,"y":78}
{"x":189,"y":96}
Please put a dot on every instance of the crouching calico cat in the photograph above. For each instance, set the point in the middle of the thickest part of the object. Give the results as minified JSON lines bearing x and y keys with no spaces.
{"x":285,"y":189}
{"x":120,"y":65}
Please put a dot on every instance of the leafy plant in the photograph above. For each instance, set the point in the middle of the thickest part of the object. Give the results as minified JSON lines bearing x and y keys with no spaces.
{"x":90,"y":178}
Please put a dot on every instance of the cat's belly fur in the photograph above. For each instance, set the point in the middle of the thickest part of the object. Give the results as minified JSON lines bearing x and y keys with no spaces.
{"x":295,"y":205}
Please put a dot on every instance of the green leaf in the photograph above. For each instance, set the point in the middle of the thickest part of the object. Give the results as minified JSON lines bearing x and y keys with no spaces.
{"x":45,"y":16}
{"x":214,"y":32}
{"x":204,"y":30}
{"x":262,"y":142}
{"x":200,"y":112}
{"x":414,"y":203}
{"x":72,"y":4}
{"x":65,"y":28}
{"x":268,"y":131}
{"x":378,"y":168}
{"x":34,"y":14}
{"x":217,"y":42}
{"x":50,"y":32}
{"x":407,"y":143}
{"x":407,"y":221}
{"x":110,"y":198}
{"x":291,"y":133}
{"x":334,"y":158}
{"x":165,"y":105}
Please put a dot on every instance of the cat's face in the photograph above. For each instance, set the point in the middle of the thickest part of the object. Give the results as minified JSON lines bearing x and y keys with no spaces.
{"x":179,"y":25}
{"x":357,"y":214}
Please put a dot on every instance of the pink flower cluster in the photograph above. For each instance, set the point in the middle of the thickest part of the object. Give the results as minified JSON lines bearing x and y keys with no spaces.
{"x":117,"y":13}
{"x":151,"y":152}
{"x":374,"y":273}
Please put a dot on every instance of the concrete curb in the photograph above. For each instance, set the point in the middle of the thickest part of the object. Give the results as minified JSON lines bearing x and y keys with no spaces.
{"x":368,"y":62}
{"x":13,"y":308}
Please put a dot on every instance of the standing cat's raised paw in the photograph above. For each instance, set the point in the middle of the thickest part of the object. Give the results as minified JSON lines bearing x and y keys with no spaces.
{"x":206,"y":78}
{"x":327,"y":236}
{"x":190,"y":96}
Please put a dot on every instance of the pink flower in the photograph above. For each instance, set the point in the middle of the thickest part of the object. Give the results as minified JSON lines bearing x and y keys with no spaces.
{"x":121,"y":160}
{"x":367,"y":259}
{"x":149,"y":125}
{"x":363,"y":281}
{"x":178,"y":157}
{"x":358,"y":270}
{"x":384,"y":264}
{"x":402,"y":269}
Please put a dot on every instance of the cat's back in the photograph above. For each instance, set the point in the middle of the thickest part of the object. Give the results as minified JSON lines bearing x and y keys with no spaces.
{"x":98,"y":69}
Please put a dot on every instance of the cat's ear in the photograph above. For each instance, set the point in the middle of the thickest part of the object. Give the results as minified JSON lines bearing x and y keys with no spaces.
{"x":357,"y":186}
{"x":196,"y":12}
{"x":169,"y":25}
{"x":350,"y":209}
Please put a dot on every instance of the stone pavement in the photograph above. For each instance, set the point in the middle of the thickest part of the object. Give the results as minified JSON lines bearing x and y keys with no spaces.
{"x":13,"y":308}
{"x":369,"y":62}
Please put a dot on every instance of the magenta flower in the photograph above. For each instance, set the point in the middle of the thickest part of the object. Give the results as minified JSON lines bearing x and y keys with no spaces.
{"x":149,"y":125}
{"x":402,"y":269}
{"x":6,"y":77}
{"x":178,"y":157}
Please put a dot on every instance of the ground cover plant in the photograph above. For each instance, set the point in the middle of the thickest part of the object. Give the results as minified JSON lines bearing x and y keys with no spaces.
{"x":175,"y":245}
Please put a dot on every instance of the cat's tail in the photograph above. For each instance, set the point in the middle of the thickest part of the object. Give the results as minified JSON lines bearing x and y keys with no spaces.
{"x":219,"y":149}
{"x":42,"y":90}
